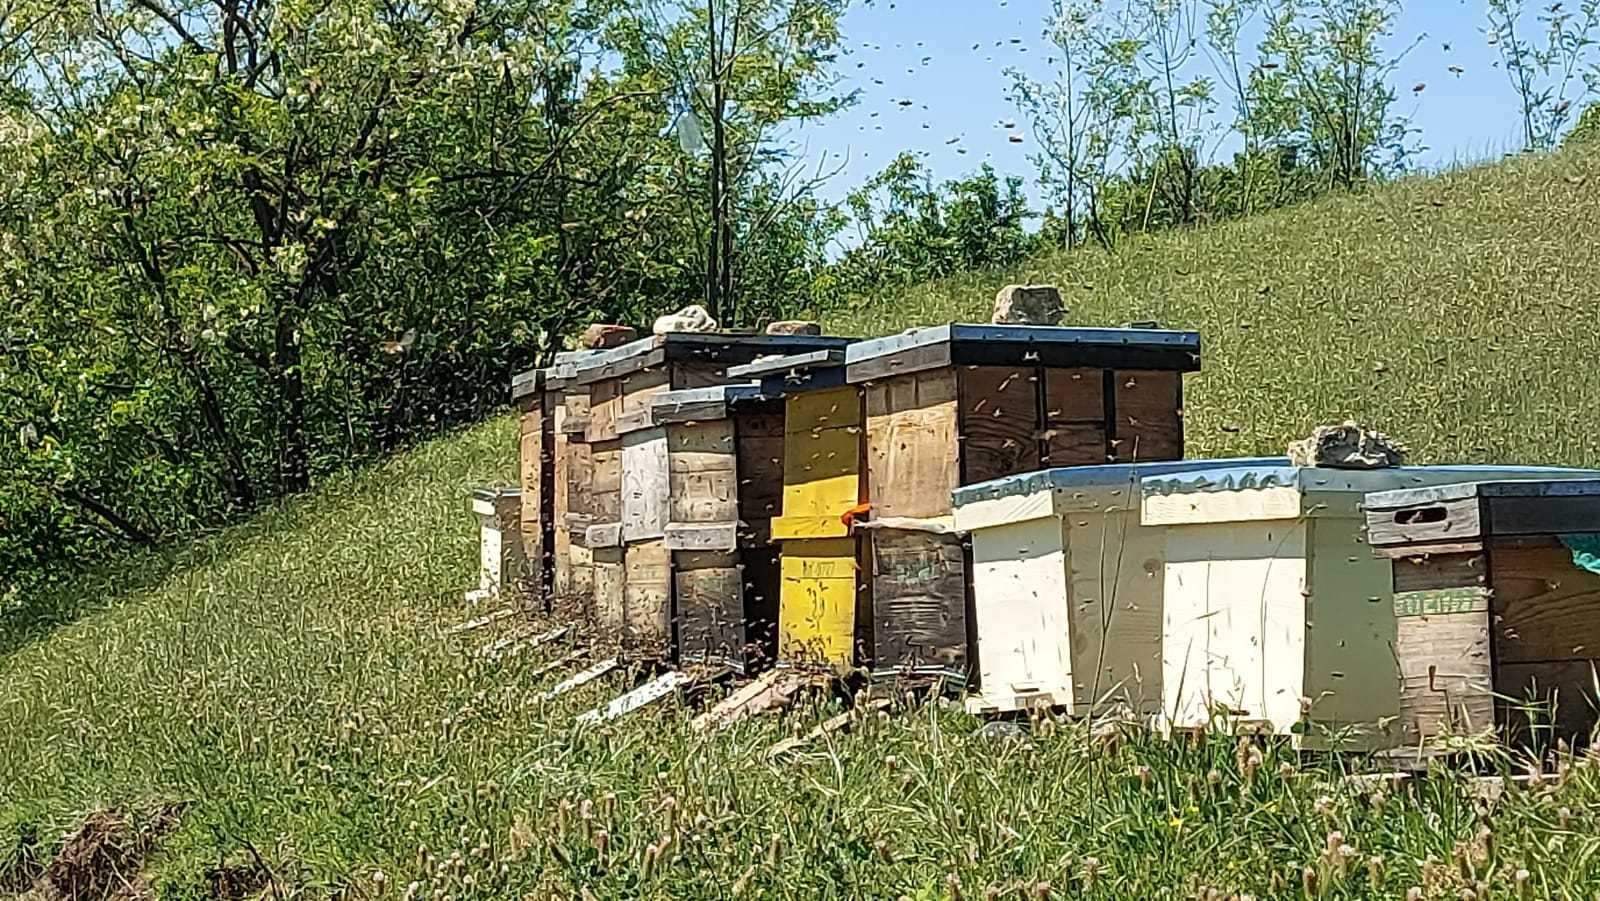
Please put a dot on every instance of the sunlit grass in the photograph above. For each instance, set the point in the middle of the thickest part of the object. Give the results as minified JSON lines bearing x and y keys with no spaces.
{"x":294,"y":680}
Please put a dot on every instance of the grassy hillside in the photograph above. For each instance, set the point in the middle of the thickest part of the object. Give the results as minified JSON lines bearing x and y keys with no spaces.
{"x":1457,"y":312}
{"x":293,"y":683}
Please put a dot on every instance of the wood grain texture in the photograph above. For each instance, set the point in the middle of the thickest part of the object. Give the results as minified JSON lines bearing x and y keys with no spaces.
{"x":1075,"y":396}
{"x":759,"y":435}
{"x":646,"y":486}
{"x":697,"y":374}
{"x":1545,"y":608}
{"x":605,"y":403}
{"x":1149,"y":416}
{"x":704,"y":479}
{"x":1444,"y":521}
{"x":1075,"y":444}
{"x":919,"y":602}
{"x":710,"y":604}
{"x":913,"y":452}
{"x":609,"y":601}
{"x":999,"y":423}
{"x":606,"y":492}
{"x":1444,"y":658}
{"x":647,"y":593}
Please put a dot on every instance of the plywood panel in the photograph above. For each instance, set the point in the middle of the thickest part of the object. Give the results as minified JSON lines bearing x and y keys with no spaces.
{"x":610,"y":610}
{"x":646,"y":487}
{"x":1442,"y":646}
{"x":605,"y":403}
{"x":691,"y":374}
{"x":1234,"y":623}
{"x":919,"y":602}
{"x":913,"y":452}
{"x":1075,"y":395}
{"x":1545,"y":608}
{"x":822,"y":456}
{"x":1076,"y":444}
{"x":606,"y":497}
{"x":648,"y":600}
{"x":999,"y":422}
{"x":1149,"y":424}
{"x":1116,"y":576}
{"x":818,"y":602}
{"x":710,"y":602}
{"x":1020,"y":606}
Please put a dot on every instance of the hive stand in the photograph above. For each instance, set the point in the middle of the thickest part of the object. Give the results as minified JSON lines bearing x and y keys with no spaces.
{"x":1272,"y":595}
{"x":630,"y":493}
{"x":960,"y":404}
{"x":1497,"y":624}
{"x":725,"y":473}
{"x":1067,"y":588}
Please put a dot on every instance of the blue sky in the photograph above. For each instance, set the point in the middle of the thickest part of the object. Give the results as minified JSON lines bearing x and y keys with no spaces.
{"x":922,"y":50}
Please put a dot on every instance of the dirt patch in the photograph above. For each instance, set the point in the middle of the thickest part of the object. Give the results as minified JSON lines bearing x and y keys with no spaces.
{"x":103,"y":858}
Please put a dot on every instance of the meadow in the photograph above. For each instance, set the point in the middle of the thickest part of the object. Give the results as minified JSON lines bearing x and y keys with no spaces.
{"x":288,"y":700}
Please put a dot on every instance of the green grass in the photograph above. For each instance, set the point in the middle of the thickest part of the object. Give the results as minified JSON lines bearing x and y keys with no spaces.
{"x":294,"y":682}
{"x":1455,"y":312}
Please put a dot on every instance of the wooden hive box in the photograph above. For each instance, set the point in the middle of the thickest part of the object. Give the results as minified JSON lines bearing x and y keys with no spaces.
{"x":1067,"y":588}
{"x":500,"y":560}
{"x":1496,"y":607}
{"x":630,"y":500}
{"x":957,"y":405}
{"x":724,"y":466}
{"x":536,"y":474}
{"x":1271,"y":595}
{"x":822,"y":604}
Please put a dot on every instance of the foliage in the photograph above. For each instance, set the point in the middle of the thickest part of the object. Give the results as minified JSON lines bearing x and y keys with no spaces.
{"x":245,"y":244}
{"x":1545,"y":68}
{"x":1586,"y":131}
{"x":295,"y":681}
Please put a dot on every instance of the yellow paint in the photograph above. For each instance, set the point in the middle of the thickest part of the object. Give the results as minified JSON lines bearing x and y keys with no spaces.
{"x":822,"y":455}
{"x":817,"y":605}
{"x":788,"y":527}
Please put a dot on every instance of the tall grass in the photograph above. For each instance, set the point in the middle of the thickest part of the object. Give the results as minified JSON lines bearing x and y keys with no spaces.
{"x":296,"y":682}
{"x":1457,"y":312}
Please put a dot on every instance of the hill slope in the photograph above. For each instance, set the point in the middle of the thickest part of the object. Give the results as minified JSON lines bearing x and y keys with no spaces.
{"x":295,"y":682}
{"x":1457,"y":312}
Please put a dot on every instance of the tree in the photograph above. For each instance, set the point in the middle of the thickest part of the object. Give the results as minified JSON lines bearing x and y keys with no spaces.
{"x":739,"y":69}
{"x":1544,"y":68}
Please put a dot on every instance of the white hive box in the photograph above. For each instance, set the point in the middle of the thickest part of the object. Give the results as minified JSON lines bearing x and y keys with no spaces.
{"x":1067,"y":587}
{"x":500,"y":556}
{"x":1272,"y":595}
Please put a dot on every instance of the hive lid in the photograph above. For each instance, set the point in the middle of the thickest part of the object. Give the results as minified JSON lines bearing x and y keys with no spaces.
{"x":711,"y":347}
{"x":1073,"y":488}
{"x":524,"y":384}
{"x":700,"y":404}
{"x":1472,"y":511}
{"x":1251,"y":492}
{"x":960,"y":344}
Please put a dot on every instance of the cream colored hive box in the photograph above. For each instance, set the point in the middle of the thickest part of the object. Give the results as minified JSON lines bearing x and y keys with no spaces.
{"x":1067,"y":588}
{"x":1278,"y":616}
{"x":500,"y":557}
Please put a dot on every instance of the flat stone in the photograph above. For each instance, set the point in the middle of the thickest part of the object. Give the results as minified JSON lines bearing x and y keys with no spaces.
{"x":794,"y":327}
{"x":692,"y":318}
{"x":602,"y":335}
{"x":1028,"y":305}
{"x":1347,"y":446}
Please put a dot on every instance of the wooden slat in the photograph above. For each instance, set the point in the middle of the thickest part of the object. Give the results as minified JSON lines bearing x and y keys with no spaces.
{"x":707,"y":536}
{"x":1074,"y":396}
{"x":648,"y":600}
{"x":913,"y":456}
{"x":919,"y":602}
{"x":606,"y":493}
{"x":1545,"y":608}
{"x":697,"y":374}
{"x":1444,"y":658}
{"x":609,"y":599}
{"x":710,"y":602}
{"x":1149,"y":423}
{"x":604,"y":404}
{"x":1079,"y":444}
{"x":1443,"y":521}
{"x":999,"y":422}
{"x":646,"y":487}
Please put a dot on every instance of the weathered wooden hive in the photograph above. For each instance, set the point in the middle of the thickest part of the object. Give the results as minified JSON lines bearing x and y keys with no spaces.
{"x":629,"y":495}
{"x":724,"y":448}
{"x":957,"y":405}
{"x":1496,"y":607}
{"x":500,"y":554}
{"x":1272,"y":595}
{"x":820,"y":597}
{"x":543,"y":398}
{"x":1067,"y":588}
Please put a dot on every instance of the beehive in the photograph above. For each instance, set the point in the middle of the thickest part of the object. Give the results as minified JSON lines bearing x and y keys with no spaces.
{"x":1272,"y":595}
{"x":960,"y":404}
{"x":724,"y":463}
{"x":500,"y":554}
{"x":1067,"y":588}
{"x":1496,"y":606}
{"x":536,"y":474}
{"x":630,"y":495}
